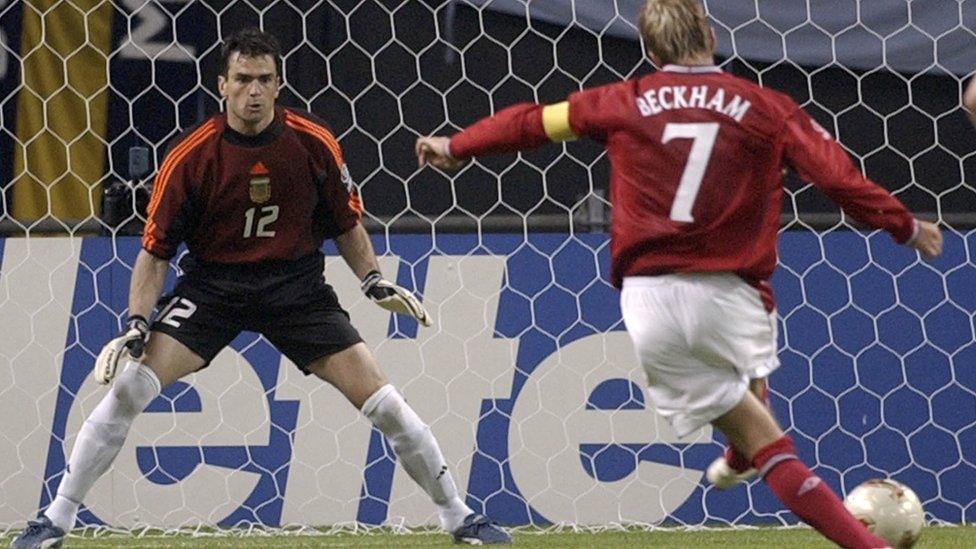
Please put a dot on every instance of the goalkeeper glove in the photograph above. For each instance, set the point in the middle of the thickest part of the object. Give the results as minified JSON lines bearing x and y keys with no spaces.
{"x":129,"y":344}
{"x":394,"y":298}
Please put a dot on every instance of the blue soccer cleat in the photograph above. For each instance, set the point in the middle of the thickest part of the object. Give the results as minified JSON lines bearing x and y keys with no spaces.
{"x":478,"y":530}
{"x":39,"y":534}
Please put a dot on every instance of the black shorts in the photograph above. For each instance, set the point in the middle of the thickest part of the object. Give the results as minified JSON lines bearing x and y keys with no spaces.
{"x":289,"y":303}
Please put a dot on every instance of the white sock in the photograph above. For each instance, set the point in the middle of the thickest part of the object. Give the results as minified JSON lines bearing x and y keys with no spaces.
{"x":100,"y":439}
{"x":417,"y":451}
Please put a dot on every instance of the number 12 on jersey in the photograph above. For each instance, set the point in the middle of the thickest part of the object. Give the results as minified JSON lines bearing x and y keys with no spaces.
{"x":269,"y":214}
{"x":703,"y":139}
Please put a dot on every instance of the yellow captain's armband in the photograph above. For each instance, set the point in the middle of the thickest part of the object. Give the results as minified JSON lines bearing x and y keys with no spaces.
{"x":555,"y":121}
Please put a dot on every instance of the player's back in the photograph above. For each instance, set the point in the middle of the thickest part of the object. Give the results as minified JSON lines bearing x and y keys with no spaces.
{"x":696,"y":156}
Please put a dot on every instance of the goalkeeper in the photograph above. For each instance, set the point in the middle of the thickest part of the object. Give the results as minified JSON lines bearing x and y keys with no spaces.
{"x":253,"y":193}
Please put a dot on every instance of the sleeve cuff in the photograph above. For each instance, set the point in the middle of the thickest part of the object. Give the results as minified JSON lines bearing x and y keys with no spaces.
{"x":155,"y":251}
{"x":450,"y":144}
{"x":915,"y":229}
{"x":348,"y":224}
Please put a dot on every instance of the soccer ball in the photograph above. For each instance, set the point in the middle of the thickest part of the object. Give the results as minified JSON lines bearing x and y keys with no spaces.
{"x":889,"y":509}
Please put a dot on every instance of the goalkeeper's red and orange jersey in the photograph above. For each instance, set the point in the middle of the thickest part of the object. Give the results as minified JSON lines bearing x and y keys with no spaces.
{"x":235,"y":198}
{"x":696,"y":159}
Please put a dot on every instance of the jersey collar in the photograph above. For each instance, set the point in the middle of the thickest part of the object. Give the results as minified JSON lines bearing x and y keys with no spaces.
{"x":268,"y":135}
{"x":691,"y":69}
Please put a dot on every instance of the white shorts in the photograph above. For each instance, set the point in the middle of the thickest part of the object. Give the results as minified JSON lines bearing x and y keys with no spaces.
{"x":700,"y":338}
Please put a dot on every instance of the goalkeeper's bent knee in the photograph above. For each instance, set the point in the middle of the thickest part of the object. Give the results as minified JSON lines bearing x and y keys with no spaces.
{"x":380,"y":412}
{"x":134,"y":389}
{"x":391,"y":414}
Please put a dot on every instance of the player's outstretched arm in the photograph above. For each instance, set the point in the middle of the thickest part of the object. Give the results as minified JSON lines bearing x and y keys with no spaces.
{"x":817,"y":158}
{"x":148,"y":276}
{"x":517,"y":128}
{"x":357,"y":251}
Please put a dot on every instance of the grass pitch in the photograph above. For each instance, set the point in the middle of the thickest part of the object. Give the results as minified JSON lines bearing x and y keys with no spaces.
{"x":794,"y":538}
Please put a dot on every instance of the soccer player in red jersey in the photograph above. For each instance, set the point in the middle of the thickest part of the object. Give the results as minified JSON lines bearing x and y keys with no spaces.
{"x":696,"y":157}
{"x":253,"y":192}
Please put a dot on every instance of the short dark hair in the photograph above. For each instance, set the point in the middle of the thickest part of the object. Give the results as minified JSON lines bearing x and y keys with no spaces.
{"x":250,"y":42}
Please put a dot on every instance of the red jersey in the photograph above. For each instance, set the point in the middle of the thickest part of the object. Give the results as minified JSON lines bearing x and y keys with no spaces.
{"x":235,"y":198}
{"x":696,"y":157}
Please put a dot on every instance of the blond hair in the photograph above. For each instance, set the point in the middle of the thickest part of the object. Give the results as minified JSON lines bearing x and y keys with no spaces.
{"x":674,"y":29}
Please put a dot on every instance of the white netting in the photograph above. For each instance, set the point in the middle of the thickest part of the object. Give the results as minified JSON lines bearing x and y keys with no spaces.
{"x":526,"y":379}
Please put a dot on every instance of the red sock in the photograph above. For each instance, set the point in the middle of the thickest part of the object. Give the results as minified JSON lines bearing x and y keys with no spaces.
{"x":809,"y":498}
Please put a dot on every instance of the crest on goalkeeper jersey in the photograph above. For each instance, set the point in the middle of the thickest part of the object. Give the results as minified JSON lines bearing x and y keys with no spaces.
{"x":260,"y":187}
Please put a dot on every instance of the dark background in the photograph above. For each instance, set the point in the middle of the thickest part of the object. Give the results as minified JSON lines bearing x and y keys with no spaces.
{"x":384,"y":72}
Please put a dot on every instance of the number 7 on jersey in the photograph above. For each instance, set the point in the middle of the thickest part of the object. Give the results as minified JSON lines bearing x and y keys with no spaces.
{"x":703,"y":139}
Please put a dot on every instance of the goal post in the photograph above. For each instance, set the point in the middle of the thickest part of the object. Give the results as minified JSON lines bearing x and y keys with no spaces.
{"x":527,"y":377}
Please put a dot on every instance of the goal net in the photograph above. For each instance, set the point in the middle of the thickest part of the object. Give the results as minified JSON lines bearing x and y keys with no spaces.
{"x":527,"y":378}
